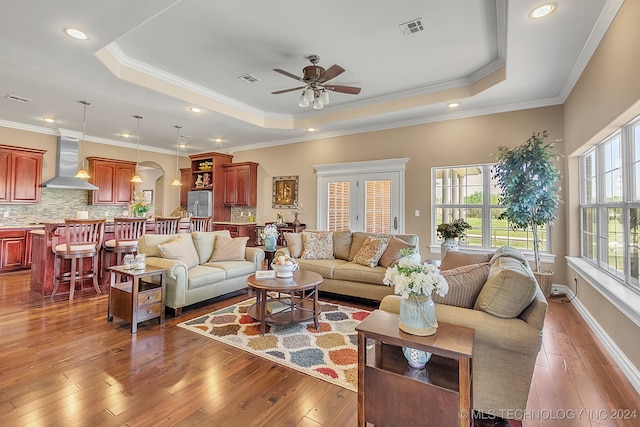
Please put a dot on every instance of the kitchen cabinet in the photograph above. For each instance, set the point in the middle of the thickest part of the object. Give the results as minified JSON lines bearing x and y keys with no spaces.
{"x":207,"y":173}
{"x":240,"y":184}
{"x":112,"y":177}
{"x":20,"y":174}
{"x":238,"y":230}
{"x":185,"y":179}
{"x":15,"y":249}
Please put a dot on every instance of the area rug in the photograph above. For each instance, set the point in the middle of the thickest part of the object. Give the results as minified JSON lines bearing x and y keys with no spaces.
{"x":329,"y":352}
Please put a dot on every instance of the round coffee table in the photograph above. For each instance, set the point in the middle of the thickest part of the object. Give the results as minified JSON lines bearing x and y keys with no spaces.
{"x":296,"y":300}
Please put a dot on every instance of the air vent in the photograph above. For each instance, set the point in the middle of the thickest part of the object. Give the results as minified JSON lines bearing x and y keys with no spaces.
{"x":411,"y":27}
{"x":17,"y":98}
{"x":248,"y":78}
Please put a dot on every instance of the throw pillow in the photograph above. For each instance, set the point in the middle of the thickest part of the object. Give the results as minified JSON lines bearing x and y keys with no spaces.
{"x":508,"y":251}
{"x":453,"y":259}
{"x":392,"y":254}
{"x":148,"y":243}
{"x":341,"y":244}
{"x":357,"y":240}
{"x":509,"y":289}
{"x":294,"y":242}
{"x":204,"y":240}
{"x":465,"y":284}
{"x":371,"y":251}
{"x":317,"y":245}
{"x":229,"y":248}
{"x":180,"y":249}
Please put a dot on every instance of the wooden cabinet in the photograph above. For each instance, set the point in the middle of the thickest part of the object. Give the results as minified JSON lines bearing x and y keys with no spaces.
{"x":185,"y":179}
{"x":15,"y":249}
{"x":207,"y":173}
{"x":112,"y":177}
{"x":238,"y":230}
{"x":240,"y":184}
{"x":20,"y":174}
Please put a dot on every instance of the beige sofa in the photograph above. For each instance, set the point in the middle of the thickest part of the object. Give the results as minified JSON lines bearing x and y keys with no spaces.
{"x":341,"y":272}
{"x":200,"y":265}
{"x":507,"y":313}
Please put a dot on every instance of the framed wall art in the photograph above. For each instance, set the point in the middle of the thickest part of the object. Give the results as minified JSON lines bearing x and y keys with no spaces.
{"x":285,"y":191}
{"x":148,"y":194}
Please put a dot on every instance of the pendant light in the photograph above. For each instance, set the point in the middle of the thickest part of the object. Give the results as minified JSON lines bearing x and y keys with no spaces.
{"x":136,"y":178}
{"x":82,"y":172}
{"x":176,"y":181}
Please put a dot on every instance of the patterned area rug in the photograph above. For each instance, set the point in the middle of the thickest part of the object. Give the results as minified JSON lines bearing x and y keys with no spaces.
{"x":329,"y":353}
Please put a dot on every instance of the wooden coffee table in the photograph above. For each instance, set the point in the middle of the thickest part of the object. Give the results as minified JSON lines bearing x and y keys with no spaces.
{"x":296,"y":300}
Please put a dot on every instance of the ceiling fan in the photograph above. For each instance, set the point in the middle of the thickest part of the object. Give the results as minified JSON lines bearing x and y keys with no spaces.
{"x":315,"y":83}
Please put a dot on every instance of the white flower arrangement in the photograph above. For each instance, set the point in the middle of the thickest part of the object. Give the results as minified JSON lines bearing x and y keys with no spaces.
{"x":270,"y":231}
{"x":410,"y":277}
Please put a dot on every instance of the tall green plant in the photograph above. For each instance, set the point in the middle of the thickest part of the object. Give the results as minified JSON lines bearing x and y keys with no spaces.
{"x":528,"y":179}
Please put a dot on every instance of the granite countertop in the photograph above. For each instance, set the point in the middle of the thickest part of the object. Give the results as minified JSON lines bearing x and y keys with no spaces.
{"x":9,"y":226}
{"x":234,"y":223}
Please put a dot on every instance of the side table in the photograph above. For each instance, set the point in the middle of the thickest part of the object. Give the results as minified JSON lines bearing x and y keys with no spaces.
{"x":392,"y":393}
{"x":136,"y":300}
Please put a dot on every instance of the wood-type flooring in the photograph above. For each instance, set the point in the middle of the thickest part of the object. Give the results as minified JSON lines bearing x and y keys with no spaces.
{"x":63,"y":364}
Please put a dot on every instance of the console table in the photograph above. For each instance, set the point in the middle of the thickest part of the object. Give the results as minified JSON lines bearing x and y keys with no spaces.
{"x":282,"y":228}
{"x":390,"y":392}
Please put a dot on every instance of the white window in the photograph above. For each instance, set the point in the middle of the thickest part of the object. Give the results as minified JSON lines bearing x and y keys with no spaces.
{"x":470,"y":192}
{"x":610,"y":204}
{"x":362,"y":196}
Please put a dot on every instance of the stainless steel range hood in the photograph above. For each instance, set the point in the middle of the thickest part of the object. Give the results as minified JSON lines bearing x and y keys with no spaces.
{"x":67,"y":166}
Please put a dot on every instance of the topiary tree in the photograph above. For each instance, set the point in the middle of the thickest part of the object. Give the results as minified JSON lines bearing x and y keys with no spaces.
{"x":528,"y":179}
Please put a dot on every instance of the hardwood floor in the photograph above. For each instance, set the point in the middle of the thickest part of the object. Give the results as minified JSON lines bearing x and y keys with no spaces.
{"x":62,"y":363}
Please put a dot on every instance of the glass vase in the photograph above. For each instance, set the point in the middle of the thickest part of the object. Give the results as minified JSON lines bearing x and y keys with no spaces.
{"x":417,"y":317}
{"x":269,"y":243}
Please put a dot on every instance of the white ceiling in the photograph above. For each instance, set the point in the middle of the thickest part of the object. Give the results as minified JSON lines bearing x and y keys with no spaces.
{"x":157,"y":58}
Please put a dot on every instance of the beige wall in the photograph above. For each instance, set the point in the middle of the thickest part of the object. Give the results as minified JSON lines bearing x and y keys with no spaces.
{"x":605,"y":97}
{"x":166,"y":162}
{"x":449,"y":143}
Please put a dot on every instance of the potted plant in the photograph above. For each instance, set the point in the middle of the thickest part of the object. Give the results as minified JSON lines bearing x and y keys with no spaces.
{"x":449,"y":232}
{"x":528,"y":179}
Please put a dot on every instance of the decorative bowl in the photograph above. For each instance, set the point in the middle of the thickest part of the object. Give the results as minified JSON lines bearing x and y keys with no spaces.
{"x":284,"y":271}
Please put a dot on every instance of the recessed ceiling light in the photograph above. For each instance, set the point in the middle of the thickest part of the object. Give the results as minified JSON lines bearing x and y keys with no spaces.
{"x":218,"y":140}
{"x":49,"y":119}
{"x":125,"y":135}
{"x":311,"y":129}
{"x":454,"y":105}
{"x":76,"y":34}
{"x":542,"y":11}
{"x":195,"y":110}
{"x":182,"y":145}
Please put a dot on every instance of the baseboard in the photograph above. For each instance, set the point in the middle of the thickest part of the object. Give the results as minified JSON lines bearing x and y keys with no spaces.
{"x":625,"y":365}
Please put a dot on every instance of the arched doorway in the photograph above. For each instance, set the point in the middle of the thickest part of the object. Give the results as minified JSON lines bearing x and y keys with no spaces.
{"x":153,"y":177}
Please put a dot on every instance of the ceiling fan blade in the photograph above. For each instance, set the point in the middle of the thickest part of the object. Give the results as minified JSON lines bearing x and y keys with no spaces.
{"x":343,"y":89}
{"x":278,"y":92}
{"x":288,"y":74}
{"x":332,"y":72}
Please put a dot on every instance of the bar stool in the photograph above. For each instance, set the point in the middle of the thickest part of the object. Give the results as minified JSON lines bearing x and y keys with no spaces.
{"x":167,"y":225}
{"x":83,"y":239}
{"x":126,"y":233}
{"x":200,"y":223}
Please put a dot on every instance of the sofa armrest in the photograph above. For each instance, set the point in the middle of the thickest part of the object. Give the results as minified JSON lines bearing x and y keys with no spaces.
{"x":513,"y":335}
{"x":174,"y":268}
{"x":255,"y":255}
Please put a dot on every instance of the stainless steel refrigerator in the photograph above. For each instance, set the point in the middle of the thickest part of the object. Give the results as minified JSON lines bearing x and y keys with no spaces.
{"x":199,"y":203}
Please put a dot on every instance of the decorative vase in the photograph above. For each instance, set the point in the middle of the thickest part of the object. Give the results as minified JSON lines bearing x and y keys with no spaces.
{"x":448,"y":245}
{"x":295,"y":220}
{"x":417,"y":317}
{"x":270,"y":243}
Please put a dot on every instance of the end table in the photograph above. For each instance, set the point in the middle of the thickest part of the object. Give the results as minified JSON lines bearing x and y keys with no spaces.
{"x":136,"y":300}
{"x":392,"y":393}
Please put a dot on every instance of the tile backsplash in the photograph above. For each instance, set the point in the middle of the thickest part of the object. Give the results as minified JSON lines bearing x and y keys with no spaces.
{"x":56,"y":205}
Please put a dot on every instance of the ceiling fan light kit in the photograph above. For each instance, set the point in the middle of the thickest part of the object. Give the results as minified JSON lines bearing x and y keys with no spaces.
{"x":315,"y":90}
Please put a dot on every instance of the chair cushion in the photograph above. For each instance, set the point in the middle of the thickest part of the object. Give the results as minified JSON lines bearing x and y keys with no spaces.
{"x":200,"y":276}
{"x":509,"y":289}
{"x":62,"y":248}
{"x":465,"y":283}
{"x":229,"y":249}
{"x":233,"y":268}
{"x":454,"y":259}
{"x":111,"y":243}
{"x":370,"y":252}
{"x":317,"y":245}
{"x":392,"y":254}
{"x":353,"y":272}
{"x":180,"y":249}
